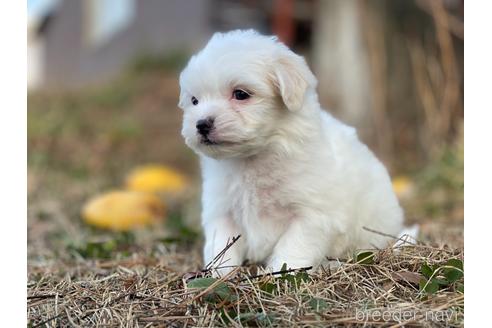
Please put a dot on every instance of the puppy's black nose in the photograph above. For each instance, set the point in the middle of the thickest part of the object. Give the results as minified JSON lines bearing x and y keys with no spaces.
{"x":205,"y":125}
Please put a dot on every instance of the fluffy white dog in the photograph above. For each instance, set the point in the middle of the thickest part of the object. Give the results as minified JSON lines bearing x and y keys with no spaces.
{"x":293,"y":181}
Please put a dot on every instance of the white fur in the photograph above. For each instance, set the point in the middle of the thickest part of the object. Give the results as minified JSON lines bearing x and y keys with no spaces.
{"x":293,"y":181}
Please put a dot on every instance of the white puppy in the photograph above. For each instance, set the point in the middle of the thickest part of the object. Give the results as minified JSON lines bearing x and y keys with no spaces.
{"x":293,"y":181}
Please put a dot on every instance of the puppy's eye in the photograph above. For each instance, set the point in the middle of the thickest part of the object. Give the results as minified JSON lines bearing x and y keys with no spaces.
{"x":194,"y":101}
{"x":239,"y":94}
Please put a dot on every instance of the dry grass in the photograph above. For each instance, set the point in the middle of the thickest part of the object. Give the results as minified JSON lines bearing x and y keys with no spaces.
{"x":146,"y":291}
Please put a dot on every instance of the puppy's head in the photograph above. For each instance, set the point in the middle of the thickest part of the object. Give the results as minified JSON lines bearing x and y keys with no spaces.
{"x":236,"y":92}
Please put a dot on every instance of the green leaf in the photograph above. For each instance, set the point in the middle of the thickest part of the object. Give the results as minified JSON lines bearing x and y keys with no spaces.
{"x":440,"y":281}
{"x":430,"y":287}
{"x":95,"y":249}
{"x":426,"y":270}
{"x":294,"y":280}
{"x":365,"y":257}
{"x":109,"y":245}
{"x":302,"y":276}
{"x":201,"y":282}
{"x":221,"y":292}
{"x":125,"y":238}
{"x":283,"y":268}
{"x":318,"y":304}
{"x":268,"y":287}
{"x":452,"y":275}
{"x":290,"y":278}
{"x":455,"y":263}
{"x":454,"y":272}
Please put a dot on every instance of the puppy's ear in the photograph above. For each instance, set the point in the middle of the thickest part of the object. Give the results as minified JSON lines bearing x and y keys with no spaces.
{"x":293,"y":79}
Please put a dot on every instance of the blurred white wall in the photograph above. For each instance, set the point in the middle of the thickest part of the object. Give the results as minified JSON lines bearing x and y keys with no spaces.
{"x":35,"y":56}
{"x":79,"y":43}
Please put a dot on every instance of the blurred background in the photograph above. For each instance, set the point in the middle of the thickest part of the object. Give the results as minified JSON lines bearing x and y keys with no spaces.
{"x":103,"y":92}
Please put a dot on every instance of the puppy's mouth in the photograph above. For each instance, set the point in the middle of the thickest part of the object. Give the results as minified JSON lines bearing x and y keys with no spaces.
{"x":205,"y":140}
{"x":208,"y":142}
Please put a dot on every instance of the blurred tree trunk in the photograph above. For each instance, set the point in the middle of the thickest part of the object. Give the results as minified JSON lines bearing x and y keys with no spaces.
{"x":394,"y":70}
{"x":340,"y":62}
{"x":350,"y":55}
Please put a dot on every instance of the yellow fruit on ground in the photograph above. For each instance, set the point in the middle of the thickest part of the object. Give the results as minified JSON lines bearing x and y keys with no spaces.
{"x":403,"y":186}
{"x":156,"y":178}
{"x":123,"y":210}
